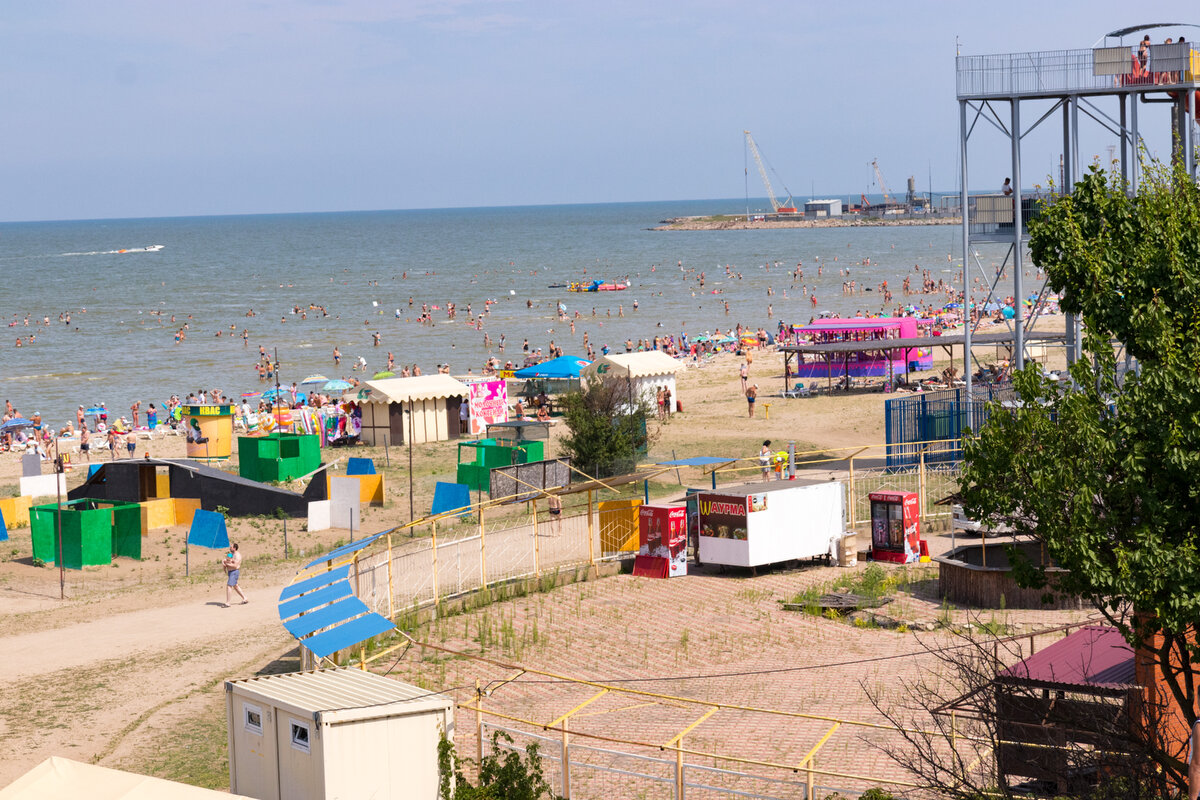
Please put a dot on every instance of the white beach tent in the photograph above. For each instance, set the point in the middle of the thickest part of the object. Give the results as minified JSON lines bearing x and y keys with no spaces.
{"x":434,"y":401}
{"x":59,"y":778}
{"x":649,"y":371}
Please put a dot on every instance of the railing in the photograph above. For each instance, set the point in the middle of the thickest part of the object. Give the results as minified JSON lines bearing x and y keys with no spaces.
{"x":1055,"y":72}
{"x":992,"y":214}
{"x":928,"y":474}
{"x":440,"y":568}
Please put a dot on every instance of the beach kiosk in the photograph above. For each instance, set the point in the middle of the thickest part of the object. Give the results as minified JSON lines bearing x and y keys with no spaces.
{"x":424,"y":408}
{"x":505,"y":446}
{"x":896,"y":528}
{"x":647,"y":371}
{"x":769,"y":523}
{"x":662,"y":542}
{"x":209,"y":430}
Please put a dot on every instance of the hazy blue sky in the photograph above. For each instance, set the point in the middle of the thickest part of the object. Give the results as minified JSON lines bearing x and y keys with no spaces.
{"x":156,"y":108}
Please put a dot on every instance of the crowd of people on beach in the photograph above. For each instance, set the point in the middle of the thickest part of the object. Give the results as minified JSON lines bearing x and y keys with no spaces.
{"x":924,"y":295}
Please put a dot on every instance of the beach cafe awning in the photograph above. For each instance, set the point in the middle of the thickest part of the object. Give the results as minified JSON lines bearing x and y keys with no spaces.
{"x":561,"y":367}
{"x":646,"y":364}
{"x":407,"y":390}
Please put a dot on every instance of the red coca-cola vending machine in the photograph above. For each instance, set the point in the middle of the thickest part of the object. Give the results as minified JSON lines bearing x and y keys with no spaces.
{"x":896,"y":528}
{"x":662,"y":540}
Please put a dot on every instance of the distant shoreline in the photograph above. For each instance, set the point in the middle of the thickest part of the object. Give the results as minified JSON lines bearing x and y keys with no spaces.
{"x":740,"y":223}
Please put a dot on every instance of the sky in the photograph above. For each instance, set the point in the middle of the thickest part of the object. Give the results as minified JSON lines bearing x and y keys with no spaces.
{"x":152,"y":109}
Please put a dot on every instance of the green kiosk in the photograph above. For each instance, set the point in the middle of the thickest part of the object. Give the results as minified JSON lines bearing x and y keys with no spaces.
{"x":278,"y":457}
{"x":92,"y":532}
{"x":506,"y":443}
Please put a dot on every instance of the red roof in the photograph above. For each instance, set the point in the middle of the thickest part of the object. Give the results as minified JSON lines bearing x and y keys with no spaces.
{"x":1093,"y":658}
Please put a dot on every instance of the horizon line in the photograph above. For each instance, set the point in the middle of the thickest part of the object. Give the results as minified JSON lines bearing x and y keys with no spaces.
{"x":430,"y":209}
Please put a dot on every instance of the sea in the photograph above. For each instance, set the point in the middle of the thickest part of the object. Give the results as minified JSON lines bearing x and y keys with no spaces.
{"x":372,"y":272}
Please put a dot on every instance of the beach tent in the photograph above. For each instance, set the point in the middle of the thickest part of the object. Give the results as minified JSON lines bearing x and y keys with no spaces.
{"x":433,"y":400}
{"x":61,"y":778}
{"x":649,"y":371}
{"x":561,"y":367}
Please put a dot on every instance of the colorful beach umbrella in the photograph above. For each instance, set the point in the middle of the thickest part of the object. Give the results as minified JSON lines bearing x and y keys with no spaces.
{"x":314,"y":379}
{"x":272,"y":394}
{"x":384,"y":374}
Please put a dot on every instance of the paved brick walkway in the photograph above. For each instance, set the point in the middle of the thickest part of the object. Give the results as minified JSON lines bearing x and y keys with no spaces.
{"x":669,"y":631}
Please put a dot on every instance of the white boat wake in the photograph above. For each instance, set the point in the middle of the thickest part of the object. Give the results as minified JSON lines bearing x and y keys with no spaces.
{"x":154,"y":248}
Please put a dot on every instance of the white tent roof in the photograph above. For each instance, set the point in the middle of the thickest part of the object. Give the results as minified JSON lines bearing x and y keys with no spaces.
{"x":404,"y":390}
{"x":59,"y":778}
{"x":635,"y":365}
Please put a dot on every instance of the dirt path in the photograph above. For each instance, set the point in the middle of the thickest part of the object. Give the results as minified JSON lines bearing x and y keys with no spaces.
{"x":82,"y":689}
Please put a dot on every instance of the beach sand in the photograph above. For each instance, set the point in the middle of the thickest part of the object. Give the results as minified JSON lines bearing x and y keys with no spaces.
{"x":137,"y":647}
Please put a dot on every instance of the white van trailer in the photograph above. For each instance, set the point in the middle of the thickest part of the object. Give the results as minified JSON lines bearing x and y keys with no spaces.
{"x":336,"y":733}
{"x":771,"y":522}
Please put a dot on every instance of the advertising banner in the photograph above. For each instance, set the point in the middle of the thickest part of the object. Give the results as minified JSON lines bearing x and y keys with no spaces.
{"x":723,"y":516}
{"x":488,"y":401}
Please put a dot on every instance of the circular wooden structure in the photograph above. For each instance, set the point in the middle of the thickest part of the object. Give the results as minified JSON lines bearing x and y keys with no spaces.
{"x":964,"y":579}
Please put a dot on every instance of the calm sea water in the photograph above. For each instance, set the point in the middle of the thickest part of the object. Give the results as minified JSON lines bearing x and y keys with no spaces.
{"x":211,"y":271}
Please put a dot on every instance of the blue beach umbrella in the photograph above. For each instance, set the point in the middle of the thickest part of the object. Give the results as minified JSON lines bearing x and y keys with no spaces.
{"x":561,"y":367}
{"x":336,"y":385}
{"x":272,"y":394}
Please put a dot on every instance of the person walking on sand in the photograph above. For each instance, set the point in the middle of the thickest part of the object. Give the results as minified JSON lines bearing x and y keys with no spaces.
{"x":751,"y":396}
{"x":745,"y":375}
{"x":233,"y":570}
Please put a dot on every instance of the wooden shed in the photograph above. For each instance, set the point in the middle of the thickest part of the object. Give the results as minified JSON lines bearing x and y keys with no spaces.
{"x":433,"y":401}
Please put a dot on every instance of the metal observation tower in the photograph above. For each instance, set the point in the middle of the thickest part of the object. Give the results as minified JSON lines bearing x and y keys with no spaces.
{"x":1108,"y":84}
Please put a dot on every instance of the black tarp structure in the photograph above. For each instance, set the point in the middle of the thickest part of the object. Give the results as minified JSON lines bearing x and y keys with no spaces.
{"x":135,"y":481}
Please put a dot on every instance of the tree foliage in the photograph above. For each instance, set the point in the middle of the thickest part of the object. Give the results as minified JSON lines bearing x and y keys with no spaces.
{"x":504,"y":773}
{"x":607,"y":427}
{"x":1106,"y":471}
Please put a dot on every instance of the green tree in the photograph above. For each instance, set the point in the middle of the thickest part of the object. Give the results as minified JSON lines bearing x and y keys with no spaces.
{"x":606,"y":424}
{"x":1106,"y":472}
{"x":503,"y":774}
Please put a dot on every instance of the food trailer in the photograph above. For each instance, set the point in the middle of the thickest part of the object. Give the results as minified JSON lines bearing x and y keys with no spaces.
{"x":769,"y":523}
{"x":662,"y":539}
{"x":896,"y":528}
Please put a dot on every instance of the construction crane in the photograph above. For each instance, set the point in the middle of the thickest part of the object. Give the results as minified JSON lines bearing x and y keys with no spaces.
{"x":786,"y":208}
{"x":887,"y":198}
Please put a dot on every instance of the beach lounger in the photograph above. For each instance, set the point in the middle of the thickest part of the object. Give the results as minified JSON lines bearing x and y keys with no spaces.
{"x":799,"y":390}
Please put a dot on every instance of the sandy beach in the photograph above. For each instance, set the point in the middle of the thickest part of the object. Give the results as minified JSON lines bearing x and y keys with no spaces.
{"x":139,"y":647}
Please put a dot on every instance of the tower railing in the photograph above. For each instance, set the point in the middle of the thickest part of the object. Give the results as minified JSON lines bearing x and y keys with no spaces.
{"x":1056,"y":72}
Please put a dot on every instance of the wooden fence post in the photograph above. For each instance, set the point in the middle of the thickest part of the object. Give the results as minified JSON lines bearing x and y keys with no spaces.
{"x":679,"y":769}
{"x":591,"y":532}
{"x":479,"y":723}
{"x":391,"y":583}
{"x":437,"y":599}
{"x":922,"y":486}
{"x":482,"y":557}
{"x":566,"y":761}
{"x":537,"y":568}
